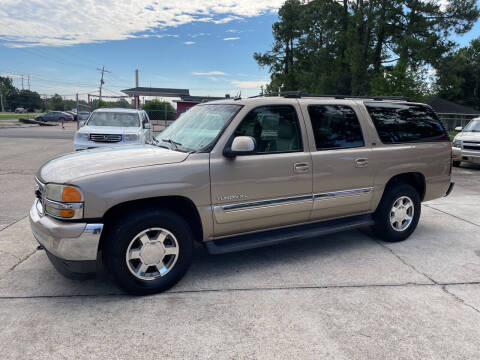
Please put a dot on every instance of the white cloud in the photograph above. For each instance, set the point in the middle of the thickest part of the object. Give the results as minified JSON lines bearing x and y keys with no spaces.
{"x":231,"y":38}
{"x":233,"y":31}
{"x":209,"y":73}
{"x":226,"y":19}
{"x":43,"y":22}
{"x":189,"y":42}
{"x":249,"y":84}
{"x":198,"y":35}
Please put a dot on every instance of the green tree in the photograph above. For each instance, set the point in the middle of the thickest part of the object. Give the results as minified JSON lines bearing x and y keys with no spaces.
{"x":159,"y":110}
{"x":56,"y":103}
{"x":280,"y":59}
{"x":458,"y":76}
{"x":8,"y":92}
{"x":356,"y":47}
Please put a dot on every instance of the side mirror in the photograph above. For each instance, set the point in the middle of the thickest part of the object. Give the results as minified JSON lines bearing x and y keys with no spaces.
{"x":458,"y":128}
{"x":241,"y":145}
{"x":81,"y":123}
{"x":147,"y":126}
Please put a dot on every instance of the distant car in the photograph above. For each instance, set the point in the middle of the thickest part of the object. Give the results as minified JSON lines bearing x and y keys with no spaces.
{"x":83,"y":115}
{"x":466,"y":144}
{"x":54,"y":116}
{"x":73,"y":113}
{"x":110,"y":127}
{"x":20,"y":110}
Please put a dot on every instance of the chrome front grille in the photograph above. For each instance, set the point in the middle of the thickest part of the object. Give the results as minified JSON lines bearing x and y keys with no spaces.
{"x":106,"y":138}
{"x":471,"y":145}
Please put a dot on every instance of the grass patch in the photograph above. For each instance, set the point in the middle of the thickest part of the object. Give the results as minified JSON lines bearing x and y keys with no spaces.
{"x":8,"y":116}
{"x":452,"y":134}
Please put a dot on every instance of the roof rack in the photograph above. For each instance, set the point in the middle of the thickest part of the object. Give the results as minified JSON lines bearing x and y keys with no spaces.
{"x":299,"y":94}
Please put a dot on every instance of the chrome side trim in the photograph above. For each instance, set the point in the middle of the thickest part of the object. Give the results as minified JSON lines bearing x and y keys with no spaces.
{"x":251,"y":204}
{"x":343,"y":193}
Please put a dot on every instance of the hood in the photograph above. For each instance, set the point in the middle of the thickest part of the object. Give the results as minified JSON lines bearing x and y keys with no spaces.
{"x":68,"y":167}
{"x":108,"y":130}
{"x":468,"y":136}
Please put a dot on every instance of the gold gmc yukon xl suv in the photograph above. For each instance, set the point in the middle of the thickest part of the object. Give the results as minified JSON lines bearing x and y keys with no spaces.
{"x":237,"y":174}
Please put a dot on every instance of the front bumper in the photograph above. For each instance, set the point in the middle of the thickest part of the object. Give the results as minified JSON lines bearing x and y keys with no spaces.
{"x":472,"y":156}
{"x":66,"y":241}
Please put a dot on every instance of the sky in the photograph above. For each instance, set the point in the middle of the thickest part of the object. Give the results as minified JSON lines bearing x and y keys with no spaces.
{"x":206,"y":46}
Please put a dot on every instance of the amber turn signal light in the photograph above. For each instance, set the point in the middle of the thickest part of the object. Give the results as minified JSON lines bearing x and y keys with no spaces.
{"x":71,"y":194}
{"x":67,"y":213}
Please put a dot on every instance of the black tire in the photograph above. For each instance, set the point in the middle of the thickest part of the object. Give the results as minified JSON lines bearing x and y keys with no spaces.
{"x":124,"y":230}
{"x":383,"y":227}
{"x":456,"y":163}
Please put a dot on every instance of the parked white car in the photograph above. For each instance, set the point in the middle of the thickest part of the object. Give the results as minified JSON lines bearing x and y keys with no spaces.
{"x":466,"y":144}
{"x":111,"y":127}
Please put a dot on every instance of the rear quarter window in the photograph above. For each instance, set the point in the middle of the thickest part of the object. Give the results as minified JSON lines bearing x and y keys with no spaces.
{"x":403,"y":123}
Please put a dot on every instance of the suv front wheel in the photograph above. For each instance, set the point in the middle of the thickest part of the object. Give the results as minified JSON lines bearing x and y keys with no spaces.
{"x":398,"y":213}
{"x":148,"y":251}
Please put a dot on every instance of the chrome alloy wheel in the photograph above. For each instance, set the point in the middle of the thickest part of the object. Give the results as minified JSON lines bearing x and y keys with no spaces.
{"x":152,"y":253}
{"x":401,"y":214}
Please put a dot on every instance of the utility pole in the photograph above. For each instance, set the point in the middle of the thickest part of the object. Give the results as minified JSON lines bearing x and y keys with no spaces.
{"x":22,"y":81}
{"x":101,"y":81}
{"x":28,"y":82}
{"x":78,"y":115}
{"x":261,"y":90}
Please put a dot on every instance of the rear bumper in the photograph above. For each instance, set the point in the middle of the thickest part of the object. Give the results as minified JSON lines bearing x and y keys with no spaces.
{"x":71,"y":247}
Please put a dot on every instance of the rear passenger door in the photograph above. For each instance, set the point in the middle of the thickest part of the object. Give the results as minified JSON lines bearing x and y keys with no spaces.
{"x":342,"y":175}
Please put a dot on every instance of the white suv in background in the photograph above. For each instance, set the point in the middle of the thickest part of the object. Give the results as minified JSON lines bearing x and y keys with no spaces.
{"x":108,"y":127}
{"x":466,"y":144}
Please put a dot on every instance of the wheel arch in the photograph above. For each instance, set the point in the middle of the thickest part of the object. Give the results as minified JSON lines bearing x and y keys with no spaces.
{"x":181,"y":205}
{"x":415,"y":179}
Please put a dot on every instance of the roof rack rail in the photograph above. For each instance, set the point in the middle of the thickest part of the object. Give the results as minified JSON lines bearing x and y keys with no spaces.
{"x":373,"y":97}
{"x":300,"y":94}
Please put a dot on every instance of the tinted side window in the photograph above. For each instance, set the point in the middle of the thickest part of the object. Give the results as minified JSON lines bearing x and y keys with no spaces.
{"x":400,"y":123}
{"x":335,"y":127}
{"x":274,"y":128}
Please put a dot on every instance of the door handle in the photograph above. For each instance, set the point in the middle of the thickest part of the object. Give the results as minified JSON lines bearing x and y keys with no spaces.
{"x":362,"y":162}
{"x":301,"y":167}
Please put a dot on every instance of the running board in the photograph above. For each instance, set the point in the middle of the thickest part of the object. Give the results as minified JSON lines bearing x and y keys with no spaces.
{"x":278,"y":236}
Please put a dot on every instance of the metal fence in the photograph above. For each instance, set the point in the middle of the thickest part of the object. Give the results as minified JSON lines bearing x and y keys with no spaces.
{"x":162,"y":114}
{"x":451,"y":121}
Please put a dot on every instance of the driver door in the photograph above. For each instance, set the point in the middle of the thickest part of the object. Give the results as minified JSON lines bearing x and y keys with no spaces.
{"x":272,"y":187}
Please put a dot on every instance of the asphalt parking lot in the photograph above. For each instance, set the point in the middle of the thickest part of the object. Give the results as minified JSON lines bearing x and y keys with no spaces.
{"x":346,"y":296}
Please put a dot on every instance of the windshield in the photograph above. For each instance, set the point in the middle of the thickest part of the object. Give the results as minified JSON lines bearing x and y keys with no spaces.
{"x":473,"y":126}
{"x":114,"y":119}
{"x":198,"y":127}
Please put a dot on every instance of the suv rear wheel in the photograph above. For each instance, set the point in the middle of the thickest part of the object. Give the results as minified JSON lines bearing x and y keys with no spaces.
{"x":149,"y":251}
{"x":398,"y":213}
{"x":456,"y":163}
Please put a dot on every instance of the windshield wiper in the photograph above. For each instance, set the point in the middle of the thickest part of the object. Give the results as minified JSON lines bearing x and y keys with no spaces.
{"x":174,"y":143}
{"x":157,"y":143}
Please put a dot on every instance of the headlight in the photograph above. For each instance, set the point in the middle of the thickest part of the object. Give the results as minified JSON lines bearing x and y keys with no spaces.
{"x":132,"y":137}
{"x":457,"y":143}
{"x":82,"y":136}
{"x":63,"y":201}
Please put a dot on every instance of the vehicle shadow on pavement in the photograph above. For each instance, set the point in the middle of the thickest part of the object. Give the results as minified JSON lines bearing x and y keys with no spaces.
{"x":347,"y":258}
